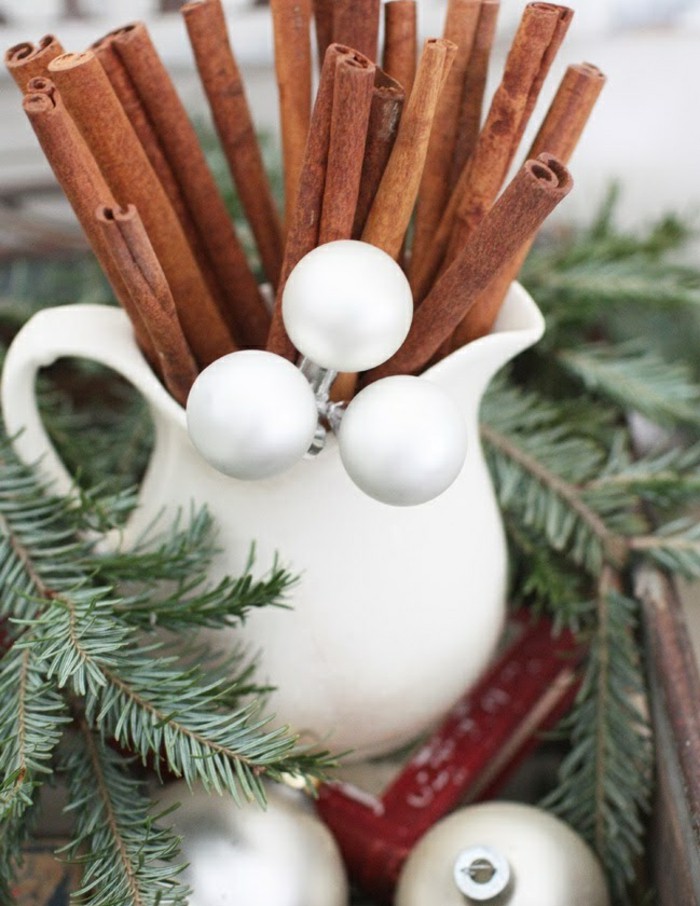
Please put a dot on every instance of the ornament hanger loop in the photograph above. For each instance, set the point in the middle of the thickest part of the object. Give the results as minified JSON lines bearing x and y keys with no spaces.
{"x":481,"y":873}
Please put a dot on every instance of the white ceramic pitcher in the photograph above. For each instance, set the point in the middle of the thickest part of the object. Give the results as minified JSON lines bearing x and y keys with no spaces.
{"x":397,"y":610}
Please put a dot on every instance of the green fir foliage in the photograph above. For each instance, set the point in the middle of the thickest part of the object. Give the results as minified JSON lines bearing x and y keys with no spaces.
{"x":584,"y":506}
{"x":81,"y":682}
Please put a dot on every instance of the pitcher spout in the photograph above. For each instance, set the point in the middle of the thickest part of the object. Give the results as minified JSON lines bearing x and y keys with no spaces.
{"x":467,"y":372}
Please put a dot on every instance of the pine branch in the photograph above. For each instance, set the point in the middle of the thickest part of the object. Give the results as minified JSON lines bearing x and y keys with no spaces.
{"x":605,"y":779}
{"x":663,"y":480}
{"x":32,"y":717}
{"x":128,"y":859}
{"x":181,"y":559}
{"x":148,"y":706}
{"x":539,"y":477}
{"x":637,"y":379}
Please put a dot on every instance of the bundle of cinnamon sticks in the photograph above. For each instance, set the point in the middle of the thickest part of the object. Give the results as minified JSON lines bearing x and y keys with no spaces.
{"x":397,"y":149}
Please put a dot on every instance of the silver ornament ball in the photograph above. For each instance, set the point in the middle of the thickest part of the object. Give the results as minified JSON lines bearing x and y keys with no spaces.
{"x":247,"y":856}
{"x":347,"y":306}
{"x":403,"y":440}
{"x":251,"y":414}
{"x":505,"y":854}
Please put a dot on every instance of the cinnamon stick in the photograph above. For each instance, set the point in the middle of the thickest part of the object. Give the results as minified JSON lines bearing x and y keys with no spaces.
{"x":91,"y":101}
{"x":84,"y":187}
{"x":125,"y":90}
{"x":356,"y":24}
{"x":323,"y":22}
{"x":213,"y":236}
{"x":539,"y":34}
{"x":401,"y":42}
{"x":536,"y":190}
{"x":393,"y":205}
{"x":132,"y":252}
{"x":460,"y":28}
{"x":306,"y":218}
{"x":221,"y":79}
{"x":474,"y":88}
{"x":559,"y":134}
{"x":353,"y":88}
{"x":291,"y":20}
{"x":384,"y":119}
{"x":26,"y":61}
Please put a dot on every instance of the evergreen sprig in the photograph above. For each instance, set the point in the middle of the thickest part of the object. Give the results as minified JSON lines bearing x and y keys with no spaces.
{"x":128,"y":857}
{"x":583,"y":506}
{"x":77,"y":657}
{"x":609,"y":764}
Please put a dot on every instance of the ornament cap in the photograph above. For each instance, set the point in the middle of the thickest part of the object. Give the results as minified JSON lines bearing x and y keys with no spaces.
{"x":481,"y":873}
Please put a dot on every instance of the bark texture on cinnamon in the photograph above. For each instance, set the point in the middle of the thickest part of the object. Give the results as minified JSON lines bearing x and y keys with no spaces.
{"x":474,"y":87}
{"x":356,"y":24}
{"x":305,"y":222}
{"x":84,"y":186}
{"x":223,"y":86}
{"x":291,"y":20}
{"x":400,"y":57}
{"x":538,"y":36}
{"x":353,"y":88}
{"x":323,"y":22}
{"x":393,"y":204}
{"x":27,"y":61}
{"x":388,"y":99}
{"x":95,"y":108}
{"x":559,"y":135}
{"x":536,"y":190}
{"x":132,"y":252}
{"x":125,"y":90}
{"x":214,"y":238}
{"x":460,"y":28}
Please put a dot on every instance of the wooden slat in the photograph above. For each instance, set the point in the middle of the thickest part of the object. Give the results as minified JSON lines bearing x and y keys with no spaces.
{"x":675,"y":709}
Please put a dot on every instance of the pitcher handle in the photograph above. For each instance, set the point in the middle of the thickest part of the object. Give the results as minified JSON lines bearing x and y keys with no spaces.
{"x":97,"y":332}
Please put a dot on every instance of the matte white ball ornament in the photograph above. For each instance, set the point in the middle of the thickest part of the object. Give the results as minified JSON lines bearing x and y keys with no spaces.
{"x":251,"y":414}
{"x":403,"y":440}
{"x":247,"y":856}
{"x":503,"y":853}
{"x":347,"y":306}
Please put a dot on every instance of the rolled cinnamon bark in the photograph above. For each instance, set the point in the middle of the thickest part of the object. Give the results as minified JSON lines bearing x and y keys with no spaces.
{"x":401,"y":42}
{"x":95,"y":108}
{"x":291,"y":20}
{"x":536,"y":190}
{"x":539,"y":35}
{"x":356,"y":24}
{"x":221,"y":79}
{"x":132,"y":252}
{"x":384,"y":118}
{"x":306,"y":219}
{"x":26,"y":61}
{"x":323,"y":22}
{"x":85,"y":188}
{"x":124,"y":88}
{"x":393,"y":204}
{"x":460,"y":28}
{"x":353,"y":88}
{"x":559,"y":134}
{"x":474,"y":88}
{"x":207,"y":221}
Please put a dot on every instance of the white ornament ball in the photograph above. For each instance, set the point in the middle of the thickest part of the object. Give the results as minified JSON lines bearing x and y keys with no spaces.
{"x":347,"y":306}
{"x":247,"y":856}
{"x":503,"y":853}
{"x":403,"y":440}
{"x":251,"y":414}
